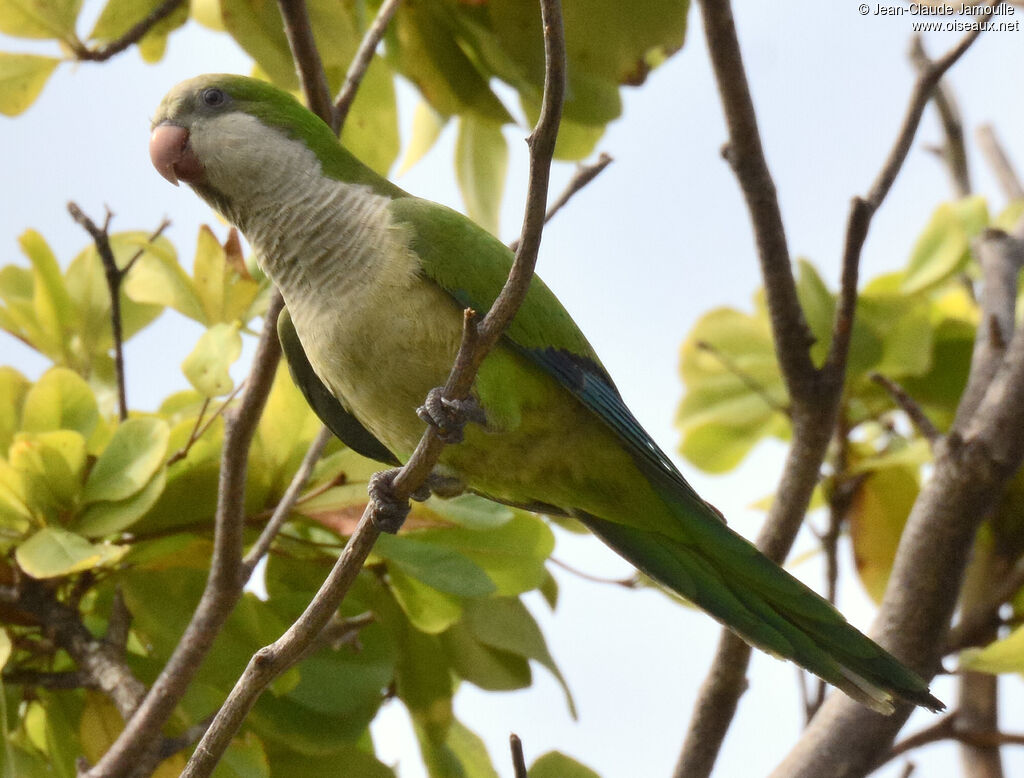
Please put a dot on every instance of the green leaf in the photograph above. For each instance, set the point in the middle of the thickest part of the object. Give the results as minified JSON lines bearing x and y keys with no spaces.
{"x":287,"y":762}
{"x":371,"y":129}
{"x":51,"y":304}
{"x":5,"y":648}
{"x":555,"y":764}
{"x":428,"y":609}
{"x":438,"y":567}
{"x":128,"y":462}
{"x":61,"y":400}
{"x":467,"y":510}
{"x":13,"y":389}
{"x":481,"y":163}
{"x":41,"y":19}
{"x":877,"y":516}
{"x":206,"y":367}
{"x":225,"y":293}
{"x":52,"y":463}
{"x":156,"y":277}
{"x":1002,"y":656}
{"x":426,"y":129}
{"x":504,"y":623}
{"x":944,"y":246}
{"x":734,"y":389}
{"x":53,"y":552}
{"x":245,"y":757}
{"x":512,"y":555}
{"x":106,"y":518}
{"x":482,"y":665}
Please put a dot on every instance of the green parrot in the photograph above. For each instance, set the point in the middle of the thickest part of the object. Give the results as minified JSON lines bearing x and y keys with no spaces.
{"x":375,"y":282}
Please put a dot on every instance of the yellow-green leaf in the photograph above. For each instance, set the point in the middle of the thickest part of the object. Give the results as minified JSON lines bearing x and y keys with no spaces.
{"x":105,"y":518}
{"x":555,"y":764}
{"x":5,"y":648}
{"x":1002,"y":656}
{"x":426,"y":129}
{"x":13,"y":388}
{"x":119,"y":16}
{"x":61,"y":399}
{"x":53,"y":552}
{"x":41,"y":19}
{"x":206,"y":368}
{"x":128,"y":462}
{"x":944,"y":246}
{"x":877,"y":517}
{"x":157,"y":277}
{"x":481,"y":162}
{"x":22,"y":78}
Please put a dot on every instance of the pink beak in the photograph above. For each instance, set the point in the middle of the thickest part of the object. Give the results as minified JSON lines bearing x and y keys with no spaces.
{"x":172,"y":154}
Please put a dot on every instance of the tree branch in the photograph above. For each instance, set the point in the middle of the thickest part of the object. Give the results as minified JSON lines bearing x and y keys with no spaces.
{"x":584,"y":175}
{"x":814,"y":394}
{"x":272,"y":660}
{"x":953,"y":151}
{"x":360,"y":63}
{"x":224,"y":584}
{"x":114,"y":277}
{"x":518,"y":760}
{"x":1000,"y":163}
{"x":102,"y":53}
{"x":909,"y":406}
{"x":310,"y":67}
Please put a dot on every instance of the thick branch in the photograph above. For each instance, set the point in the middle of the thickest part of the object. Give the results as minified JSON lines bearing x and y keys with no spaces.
{"x":273,"y":659}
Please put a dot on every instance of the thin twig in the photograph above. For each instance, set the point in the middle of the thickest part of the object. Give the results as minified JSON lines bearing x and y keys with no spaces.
{"x":1000,"y":162}
{"x":518,"y":759}
{"x":268,"y":662}
{"x":910,"y":407}
{"x":133,"y":35}
{"x":114,"y":277}
{"x":633,"y":582}
{"x":312,"y":77}
{"x":584,"y":175}
{"x":360,"y":63}
{"x":286,"y":503}
{"x":197,"y":430}
{"x":953,"y":151}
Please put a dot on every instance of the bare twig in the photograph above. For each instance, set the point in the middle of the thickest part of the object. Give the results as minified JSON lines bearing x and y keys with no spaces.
{"x":271,"y":660}
{"x":633,"y":582}
{"x":1000,"y":163}
{"x":953,"y":151}
{"x":951,"y":727}
{"x":115,"y":277}
{"x":985,"y":616}
{"x":224,"y":584}
{"x":286,"y":503}
{"x":312,"y":77}
{"x":910,"y":407}
{"x":584,"y":175}
{"x":133,"y":35}
{"x":518,"y":760}
{"x":360,"y":63}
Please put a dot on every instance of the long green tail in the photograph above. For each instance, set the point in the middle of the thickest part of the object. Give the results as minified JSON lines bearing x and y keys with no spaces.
{"x":724,"y":574}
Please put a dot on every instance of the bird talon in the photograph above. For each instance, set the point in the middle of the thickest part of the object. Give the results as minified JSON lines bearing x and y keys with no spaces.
{"x":388,"y":512}
{"x":449,"y":417}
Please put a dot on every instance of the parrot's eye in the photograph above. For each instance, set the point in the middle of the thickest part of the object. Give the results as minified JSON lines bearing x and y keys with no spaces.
{"x":214,"y":97}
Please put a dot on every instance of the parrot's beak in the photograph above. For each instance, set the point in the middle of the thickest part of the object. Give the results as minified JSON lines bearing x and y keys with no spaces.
{"x":172,"y":155}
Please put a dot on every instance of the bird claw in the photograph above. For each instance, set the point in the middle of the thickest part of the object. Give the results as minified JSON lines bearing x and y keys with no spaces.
{"x":388,"y":512}
{"x":449,"y":417}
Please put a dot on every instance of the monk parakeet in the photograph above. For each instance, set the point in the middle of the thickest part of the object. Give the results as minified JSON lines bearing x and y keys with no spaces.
{"x":375,"y":282}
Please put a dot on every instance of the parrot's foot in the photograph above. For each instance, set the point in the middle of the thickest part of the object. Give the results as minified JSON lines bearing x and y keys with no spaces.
{"x":449,"y":417}
{"x":389,"y":512}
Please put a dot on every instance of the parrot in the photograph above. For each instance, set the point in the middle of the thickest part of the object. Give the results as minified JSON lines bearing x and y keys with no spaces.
{"x":375,"y":283}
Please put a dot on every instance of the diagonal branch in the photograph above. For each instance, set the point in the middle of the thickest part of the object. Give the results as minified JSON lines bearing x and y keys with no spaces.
{"x":360,"y":63}
{"x":133,"y":35}
{"x":313,"y":79}
{"x":267,"y":663}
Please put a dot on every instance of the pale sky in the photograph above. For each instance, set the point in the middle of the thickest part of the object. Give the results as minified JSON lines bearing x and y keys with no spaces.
{"x":660,"y":238}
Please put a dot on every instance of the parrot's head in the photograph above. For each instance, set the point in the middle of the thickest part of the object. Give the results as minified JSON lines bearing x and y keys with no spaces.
{"x":233,"y":139}
{"x":224,"y":134}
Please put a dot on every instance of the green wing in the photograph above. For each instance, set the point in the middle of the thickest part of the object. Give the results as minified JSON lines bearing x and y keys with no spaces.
{"x":331,"y":412}
{"x":472,"y":266}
